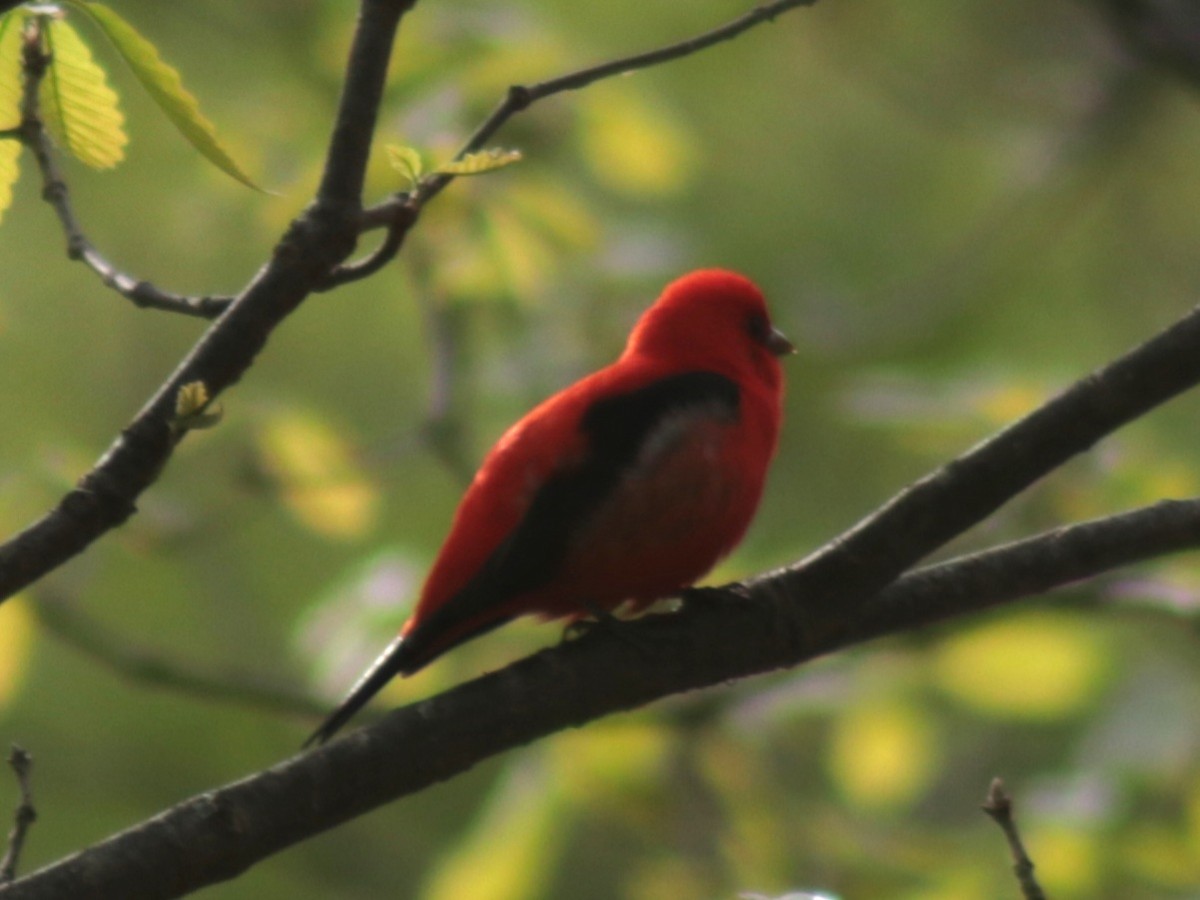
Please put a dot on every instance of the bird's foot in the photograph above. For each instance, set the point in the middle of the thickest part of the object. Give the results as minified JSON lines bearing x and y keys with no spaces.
{"x":602,"y":620}
{"x":736,"y":593}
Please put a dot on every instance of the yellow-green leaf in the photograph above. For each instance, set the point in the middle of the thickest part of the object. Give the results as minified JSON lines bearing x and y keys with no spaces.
{"x":319,"y":474}
{"x":16,"y":641}
{"x":191,"y":412}
{"x":165,"y":87}
{"x":10,"y":69}
{"x":10,"y":102}
{"x":406,"y":161}
{"x":883,"y":754}
{"x":10,"y":149}
{"x":78,"y":105}
{"x":1061,"y":665}
{"x":192,"y":398}
{"x":513,"y":846}
{"x":631,"y":146}
{"x":483,"y":161}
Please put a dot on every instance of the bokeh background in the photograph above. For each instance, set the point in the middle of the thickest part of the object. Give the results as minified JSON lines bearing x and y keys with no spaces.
{"x":955,"y":210}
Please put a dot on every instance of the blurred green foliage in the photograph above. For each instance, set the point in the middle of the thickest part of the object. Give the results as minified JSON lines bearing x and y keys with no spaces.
{"x":955,"y":210}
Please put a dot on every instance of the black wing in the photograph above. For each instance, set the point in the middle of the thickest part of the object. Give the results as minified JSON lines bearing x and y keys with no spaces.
{"x":618,"y":428}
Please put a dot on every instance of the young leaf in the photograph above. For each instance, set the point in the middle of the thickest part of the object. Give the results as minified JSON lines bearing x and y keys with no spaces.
{"x":10,"y":69}
{"x":483,"y":161}
{"x":191,"y":408}
{"x":10,"y":149}
{"x":79,"y":107}
{"x":406,"y":161}
{"x":10,"y":103}
{"x":165,"y":87}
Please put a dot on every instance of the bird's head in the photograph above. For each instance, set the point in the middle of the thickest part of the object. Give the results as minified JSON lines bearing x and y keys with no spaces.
{"x":712,"y":319}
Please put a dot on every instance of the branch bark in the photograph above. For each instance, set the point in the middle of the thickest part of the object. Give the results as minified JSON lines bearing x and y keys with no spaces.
{"x":219,"y":834}
{"x":400,"y":212}
{"x":316,"y":242}
{"x":847,"y":592}
{"x":309,"y":258}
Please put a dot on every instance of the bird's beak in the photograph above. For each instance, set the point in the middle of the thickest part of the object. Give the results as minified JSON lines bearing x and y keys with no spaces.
{"x":778,"y":343}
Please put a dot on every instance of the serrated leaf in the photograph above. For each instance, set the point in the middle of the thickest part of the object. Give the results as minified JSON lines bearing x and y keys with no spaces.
{"x":79,"y":107}
{"x":10,"y":69}
{"x":407,"y":161}
{"x":165,"y":87}
{"x":484,"y":161}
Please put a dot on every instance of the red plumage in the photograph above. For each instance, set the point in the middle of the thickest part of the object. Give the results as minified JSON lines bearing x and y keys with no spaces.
{"x":624,"y":488}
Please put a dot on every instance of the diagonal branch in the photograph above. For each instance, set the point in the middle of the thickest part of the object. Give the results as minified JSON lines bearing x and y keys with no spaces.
{"x":32,"y":133}
{"x":217,"y":835}
{"x":944,"y":504}
{"x":399,"y":213}
{"x":317,"y":241}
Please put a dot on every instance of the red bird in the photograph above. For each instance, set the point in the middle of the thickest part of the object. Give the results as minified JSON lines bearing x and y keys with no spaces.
{"x":624,"y":488}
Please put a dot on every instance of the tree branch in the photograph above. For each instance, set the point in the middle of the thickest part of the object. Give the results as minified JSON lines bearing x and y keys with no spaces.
{"x":999,"y":806}
{"x":21,"y":764}
{"x":158,"y":670}
{"x":400,"y":212}
{"x":944,"y":504}
{"x":217,"y":835}
{"x":316,"y":242}
{"x":32,"y":133}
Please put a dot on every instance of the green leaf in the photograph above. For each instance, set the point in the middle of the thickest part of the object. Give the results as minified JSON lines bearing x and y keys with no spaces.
{"x":10,"y":149}
{"x":484,"y":161}
{"x":10,"y":103}
{"x":191,"y":408}
{"x":79,"y":107}
{"x":406,"y":161}
{"x":165,"y":87}
{"x":10,"y":69}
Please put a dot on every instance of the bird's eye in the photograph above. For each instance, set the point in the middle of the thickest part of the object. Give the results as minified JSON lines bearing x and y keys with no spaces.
{"x":758,"y":327}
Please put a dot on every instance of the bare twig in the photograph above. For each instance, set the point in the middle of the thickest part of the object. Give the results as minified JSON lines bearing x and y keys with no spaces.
{"x":158,"y":670}
{"x":1000,"y":807}
{"x":399,"y":213}
{"x":24,"y":817}
{"x":32,"y":133}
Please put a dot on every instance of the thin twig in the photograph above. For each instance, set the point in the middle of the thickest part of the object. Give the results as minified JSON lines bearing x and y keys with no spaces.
{"x":399,"y":213}
{"x":24,"y":817}
{"x":148,"y":667}
{"x":32,"y":132}
{"x":1000,"y":807}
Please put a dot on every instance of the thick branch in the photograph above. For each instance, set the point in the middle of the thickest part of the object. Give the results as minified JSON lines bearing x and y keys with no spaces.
{"x":315,"y":243}
{"x":946,"y":503}
{"x":217,"y":835}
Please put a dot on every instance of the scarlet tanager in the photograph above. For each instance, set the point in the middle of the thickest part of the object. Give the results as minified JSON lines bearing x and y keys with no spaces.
{"x":623,"y":488}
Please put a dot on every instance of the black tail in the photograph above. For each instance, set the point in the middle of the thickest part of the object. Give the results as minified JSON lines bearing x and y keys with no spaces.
{"x":394,"y":660}
{"x":403,"y":656}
